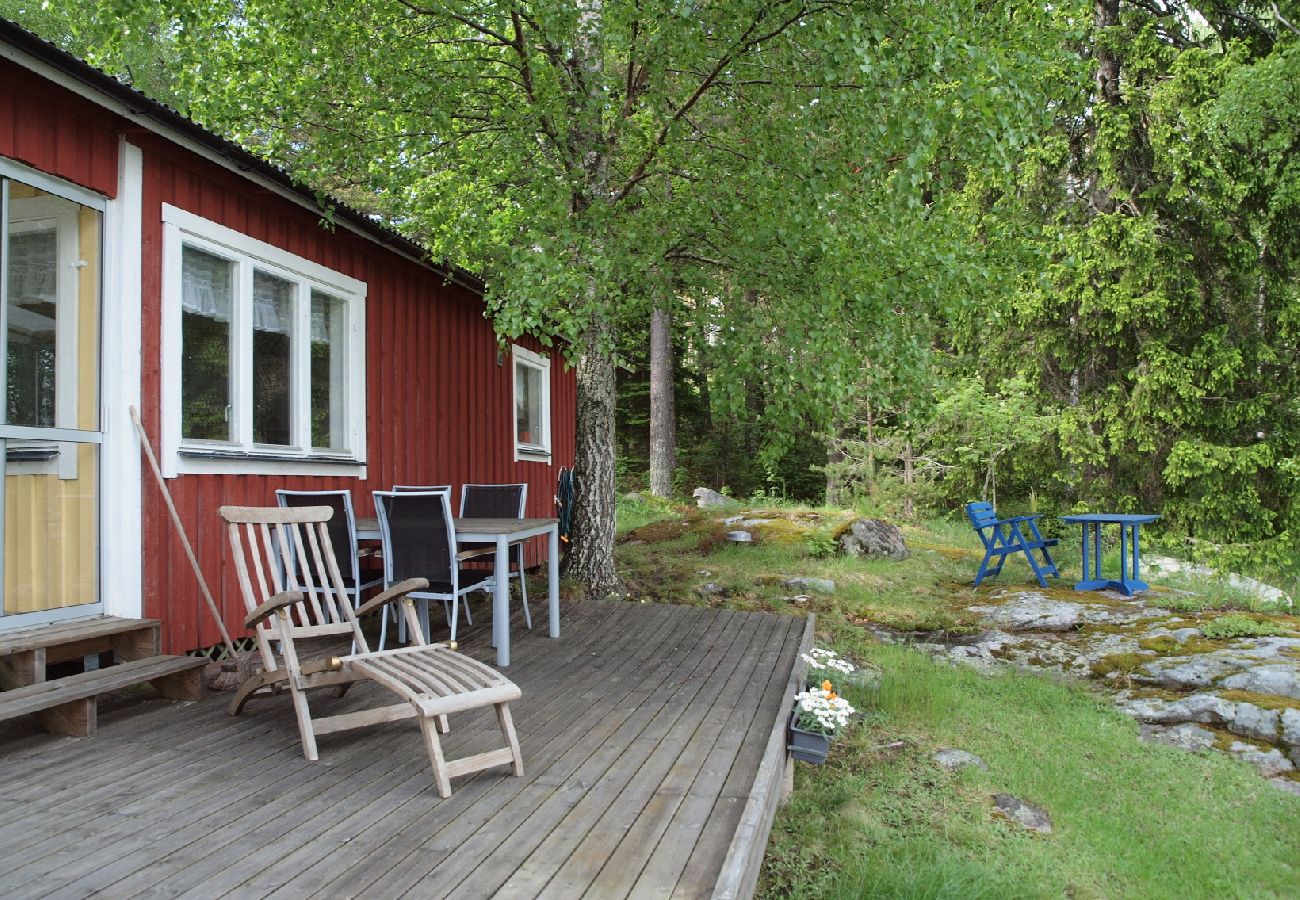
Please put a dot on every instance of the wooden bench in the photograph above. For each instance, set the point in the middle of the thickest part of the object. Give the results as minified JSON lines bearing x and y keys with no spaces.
{"x":68,"y":705}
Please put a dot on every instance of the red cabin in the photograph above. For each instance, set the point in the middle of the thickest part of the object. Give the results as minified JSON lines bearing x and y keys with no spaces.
{"x":147,"y":262}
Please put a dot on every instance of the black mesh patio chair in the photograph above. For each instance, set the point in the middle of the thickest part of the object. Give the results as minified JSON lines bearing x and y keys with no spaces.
{"x":343,"y":536}
{"x":419,"y":541}
{"x":497,"y":501}
{"x":407,"y":488}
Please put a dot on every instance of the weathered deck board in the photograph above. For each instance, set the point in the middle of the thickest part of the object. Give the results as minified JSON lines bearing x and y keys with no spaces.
{"x":642,"y":729}
{"x":624,"y":830}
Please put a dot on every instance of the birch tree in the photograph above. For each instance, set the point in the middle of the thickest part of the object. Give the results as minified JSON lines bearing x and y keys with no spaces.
{"x":574,"y":151}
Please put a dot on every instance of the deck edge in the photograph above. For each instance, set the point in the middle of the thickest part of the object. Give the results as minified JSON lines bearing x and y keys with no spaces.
{"x":740,"y":868}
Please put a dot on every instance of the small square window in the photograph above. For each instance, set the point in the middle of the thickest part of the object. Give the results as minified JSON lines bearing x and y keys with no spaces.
{"x":532,"y":391}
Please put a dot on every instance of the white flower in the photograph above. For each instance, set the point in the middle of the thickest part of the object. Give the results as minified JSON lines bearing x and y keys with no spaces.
{"x":822,"y":711}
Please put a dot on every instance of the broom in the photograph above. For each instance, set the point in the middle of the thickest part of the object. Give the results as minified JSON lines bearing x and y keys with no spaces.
{"x":238,"y":667}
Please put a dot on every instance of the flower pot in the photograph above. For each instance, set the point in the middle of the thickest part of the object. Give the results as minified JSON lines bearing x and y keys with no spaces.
{"x":809,"y":746}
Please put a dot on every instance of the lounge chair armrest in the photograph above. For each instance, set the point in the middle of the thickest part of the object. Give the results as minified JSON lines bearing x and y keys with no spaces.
{"x":279,"y":601}
{"x":396,"y":592}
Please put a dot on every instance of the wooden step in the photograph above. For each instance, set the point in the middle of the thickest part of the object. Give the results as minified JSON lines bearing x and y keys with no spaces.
{"x":67,"y":705}
{"x":71,"y":631}
{"x":25,"y":653}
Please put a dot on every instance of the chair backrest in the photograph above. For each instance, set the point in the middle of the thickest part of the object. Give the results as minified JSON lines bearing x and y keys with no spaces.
{"x":981,"y":514}
{"x":342,"y":525}
{"x":493,"y":501}
{"x":421,"y":487}
{"x":288,"y":548}
{"x":418,"y":537}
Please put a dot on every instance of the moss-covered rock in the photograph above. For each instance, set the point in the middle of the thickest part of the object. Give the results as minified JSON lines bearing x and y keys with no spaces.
{"x":1120,"y":663}
{"x":1162,"y":644}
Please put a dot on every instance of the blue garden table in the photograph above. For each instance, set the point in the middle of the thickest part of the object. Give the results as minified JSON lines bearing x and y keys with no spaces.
{"x":1129,"y":530}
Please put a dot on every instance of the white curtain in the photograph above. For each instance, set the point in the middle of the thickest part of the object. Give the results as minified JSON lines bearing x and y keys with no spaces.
{"x":206,"y":284}
{"x":207,"y":288}
{"x":33,"y":267}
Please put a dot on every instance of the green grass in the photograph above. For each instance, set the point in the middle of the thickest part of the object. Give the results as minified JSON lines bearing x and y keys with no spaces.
{"x":1131,"y":819}
{"x":1198,"y":594}
{"x":635,"y":513}
{"x":1237,"y":625}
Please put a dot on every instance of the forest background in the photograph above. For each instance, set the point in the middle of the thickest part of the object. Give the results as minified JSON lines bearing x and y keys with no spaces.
{"x":1114,"y":327}
{"x":1072,"y":283}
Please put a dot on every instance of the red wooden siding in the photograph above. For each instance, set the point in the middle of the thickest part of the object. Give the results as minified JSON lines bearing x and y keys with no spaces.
{"x":438,"y":406}
{"x":51,"y":129}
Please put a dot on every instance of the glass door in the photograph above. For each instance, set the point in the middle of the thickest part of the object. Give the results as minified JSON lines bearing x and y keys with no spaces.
{"x":50,"y":274}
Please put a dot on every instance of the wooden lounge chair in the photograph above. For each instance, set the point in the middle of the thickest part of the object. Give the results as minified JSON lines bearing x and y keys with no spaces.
{"x":294,"y":592}
{"x":1002,"y":537}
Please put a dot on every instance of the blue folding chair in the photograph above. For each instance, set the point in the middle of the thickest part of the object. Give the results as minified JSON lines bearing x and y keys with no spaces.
{"x":1002,"y":537}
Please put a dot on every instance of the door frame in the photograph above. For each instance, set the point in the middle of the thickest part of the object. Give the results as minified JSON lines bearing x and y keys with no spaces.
{"x":119,"y":476}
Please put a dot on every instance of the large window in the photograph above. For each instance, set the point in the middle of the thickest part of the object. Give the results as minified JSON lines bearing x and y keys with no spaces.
{"x":532,"y":405}
{"x":264,"y":355}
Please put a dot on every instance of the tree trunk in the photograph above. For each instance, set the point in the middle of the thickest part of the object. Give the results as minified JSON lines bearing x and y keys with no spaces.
{"x":591,"y":559}
{"x":909,"y":479}
{"x":663,"y":411}
{"x":1105,"y":15}
{"x":834,"y":468}
{"x":871,"y":449}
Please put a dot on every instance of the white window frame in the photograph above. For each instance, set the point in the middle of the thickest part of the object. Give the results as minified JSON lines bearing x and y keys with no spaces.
{"x":537,"y":451}
{"x":241,"y":456}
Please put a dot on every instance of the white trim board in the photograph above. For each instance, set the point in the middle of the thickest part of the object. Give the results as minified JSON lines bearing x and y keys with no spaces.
{"x":121,"y":512}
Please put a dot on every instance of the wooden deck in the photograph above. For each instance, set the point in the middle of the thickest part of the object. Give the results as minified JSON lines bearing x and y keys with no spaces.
{"x":652,"y":750}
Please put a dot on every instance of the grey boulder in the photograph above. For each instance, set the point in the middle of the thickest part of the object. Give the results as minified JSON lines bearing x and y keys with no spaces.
{"x":873,"y":537}
{"x":705,"y":497}
{"x":1280,"y":679}
{"x":805,"y":583}
{"x":952,"y":760}
{"x":1026,"y":815}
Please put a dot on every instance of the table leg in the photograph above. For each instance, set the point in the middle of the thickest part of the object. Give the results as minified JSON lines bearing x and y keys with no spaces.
{"x":1123,"y":555}
{"x":1136,"y":583}
{"x":501,"y":603}
{"x":553,"y":580}
{"x":1096,"y":550}
{"x":1091,"y":535}
{"x":1137,"y":556}
{"x":1084,"y":529}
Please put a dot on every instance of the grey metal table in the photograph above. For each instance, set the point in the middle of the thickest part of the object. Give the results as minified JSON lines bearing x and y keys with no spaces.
{"x":502,"y":533}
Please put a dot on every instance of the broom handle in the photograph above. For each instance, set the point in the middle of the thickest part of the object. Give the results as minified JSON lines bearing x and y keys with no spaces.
{"x":180,"y":530}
